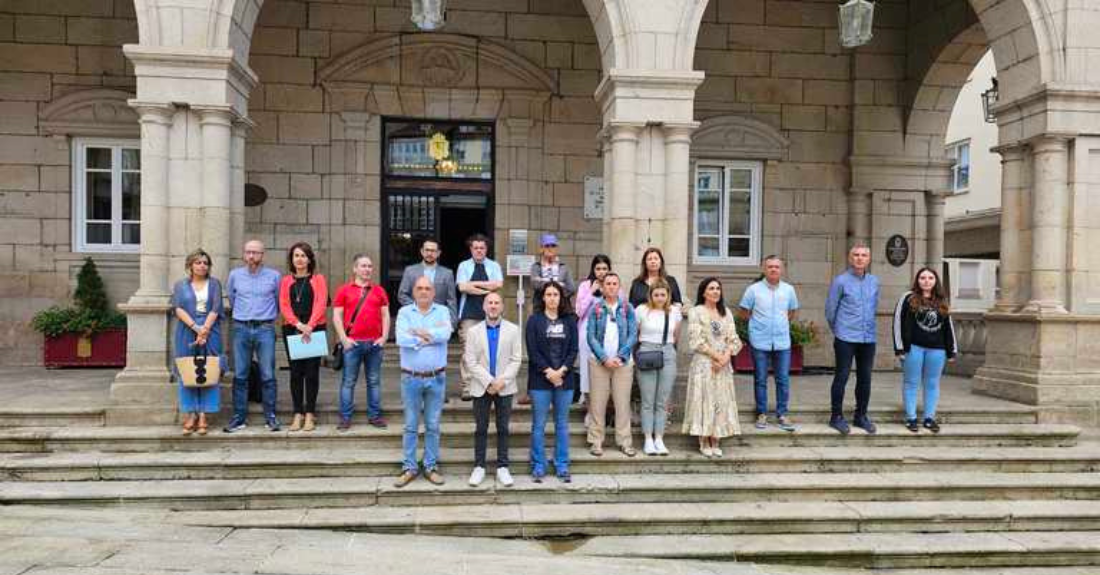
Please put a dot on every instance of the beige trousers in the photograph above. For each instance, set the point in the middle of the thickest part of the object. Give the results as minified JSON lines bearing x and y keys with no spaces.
{"x":602,"y":383}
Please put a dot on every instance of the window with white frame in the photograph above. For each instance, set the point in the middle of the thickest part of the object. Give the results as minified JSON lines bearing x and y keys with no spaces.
{"x":960,"y":172}
{"x":727,"y":212}
{"x":106,"y":195}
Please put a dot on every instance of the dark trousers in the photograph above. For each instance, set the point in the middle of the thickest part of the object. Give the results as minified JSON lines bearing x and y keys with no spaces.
{"x":864,"y":354}
{"x":305,"y":380}
{"x":482,"y":405}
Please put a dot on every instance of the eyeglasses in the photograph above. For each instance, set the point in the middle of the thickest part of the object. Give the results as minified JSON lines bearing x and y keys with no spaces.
{"x":202,"y":263}
{"x":200,"y":369}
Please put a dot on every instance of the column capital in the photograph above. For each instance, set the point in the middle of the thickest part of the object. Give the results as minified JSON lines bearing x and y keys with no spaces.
{"x":221,"y":115}
{"x":1049,"y":143}
{"x":243,"y":126}
{"x":156,"y":112}
{"x":624,"y":131}
{"x":1010,"y":152}
{"x":679,"y":132}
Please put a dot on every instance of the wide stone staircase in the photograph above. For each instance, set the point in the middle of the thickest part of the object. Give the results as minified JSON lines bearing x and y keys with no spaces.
{"x":995,"y":488}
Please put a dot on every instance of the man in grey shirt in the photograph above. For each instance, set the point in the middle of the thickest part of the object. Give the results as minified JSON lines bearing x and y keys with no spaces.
{"x":550,"y":268}
{"x":443,"y":279}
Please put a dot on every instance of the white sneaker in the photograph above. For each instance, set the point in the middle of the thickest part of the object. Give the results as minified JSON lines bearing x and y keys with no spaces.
{"x":659,"y":445}
{"x":504,"y":476}
{"x":649,"y":448}
{"x":477,"y":476}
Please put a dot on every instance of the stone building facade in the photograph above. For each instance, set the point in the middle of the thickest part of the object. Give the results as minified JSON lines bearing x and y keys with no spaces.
{"x":721,"y":131}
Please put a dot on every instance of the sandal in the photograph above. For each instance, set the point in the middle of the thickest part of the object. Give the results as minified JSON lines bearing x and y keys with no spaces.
{"x":189,"y":424}
{"x":202,"y":424}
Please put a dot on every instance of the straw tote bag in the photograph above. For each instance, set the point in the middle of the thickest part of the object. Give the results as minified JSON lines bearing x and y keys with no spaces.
{"x":200,"y":369}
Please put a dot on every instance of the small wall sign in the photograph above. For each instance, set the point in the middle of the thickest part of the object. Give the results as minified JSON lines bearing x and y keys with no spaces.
{"x":593,"y":198}
{"x":897,"y":250}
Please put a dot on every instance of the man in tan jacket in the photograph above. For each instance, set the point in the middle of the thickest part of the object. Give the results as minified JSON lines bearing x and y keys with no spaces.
{"x":492,"y":357}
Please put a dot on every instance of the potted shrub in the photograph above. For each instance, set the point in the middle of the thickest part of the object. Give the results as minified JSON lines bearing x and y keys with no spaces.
{"x":803,"y":333}
{"x":86,"y":334}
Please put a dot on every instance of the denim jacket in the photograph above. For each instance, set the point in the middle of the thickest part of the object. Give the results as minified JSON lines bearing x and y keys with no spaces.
{"x":628,"y":330}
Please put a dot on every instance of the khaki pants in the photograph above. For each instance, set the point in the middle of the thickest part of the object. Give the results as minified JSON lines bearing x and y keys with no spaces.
{"x":463,"y":327}
{"x":616,"y":383}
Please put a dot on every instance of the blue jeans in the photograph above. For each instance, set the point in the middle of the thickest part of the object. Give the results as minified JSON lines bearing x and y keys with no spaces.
{"x":781,"y":360}
{"x":256,"y":340}
{"x":541,"y":401}
{"x":922,"y":365}
{"x":422,"y":394}
{"x":369,"y":355}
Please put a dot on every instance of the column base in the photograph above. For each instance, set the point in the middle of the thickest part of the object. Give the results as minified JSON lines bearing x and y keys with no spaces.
{"x":1043,"y":307}
{"x":1051,"y":361}
{"x":142,"y":393}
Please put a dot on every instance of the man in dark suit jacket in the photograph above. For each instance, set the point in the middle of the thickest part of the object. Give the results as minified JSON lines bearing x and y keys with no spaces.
{"x":442,"y":278}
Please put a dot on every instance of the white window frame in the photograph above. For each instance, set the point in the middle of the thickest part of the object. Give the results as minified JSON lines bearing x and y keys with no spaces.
{"x":953,"y":153}
{"x":80,"y":195}
{"x":755,"y":212}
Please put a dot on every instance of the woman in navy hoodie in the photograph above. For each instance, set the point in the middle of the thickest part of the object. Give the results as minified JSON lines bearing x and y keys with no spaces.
{"x":551,"y":353}
{"x":924,"y":339}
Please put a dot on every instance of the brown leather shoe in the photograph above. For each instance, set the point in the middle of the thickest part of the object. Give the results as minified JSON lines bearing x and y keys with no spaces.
{"x":404,"y":479}
{"x":435,"y":477}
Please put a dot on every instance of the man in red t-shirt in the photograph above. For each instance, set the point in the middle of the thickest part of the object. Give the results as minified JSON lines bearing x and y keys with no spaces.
{"x":361,"y":315}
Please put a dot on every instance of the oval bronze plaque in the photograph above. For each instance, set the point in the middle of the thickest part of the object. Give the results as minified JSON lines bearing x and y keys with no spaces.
{"x":897,"y":250}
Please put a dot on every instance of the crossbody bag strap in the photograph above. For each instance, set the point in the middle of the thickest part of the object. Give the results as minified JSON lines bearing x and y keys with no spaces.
{"x":358,"y":306}
{"x":664,"y":336}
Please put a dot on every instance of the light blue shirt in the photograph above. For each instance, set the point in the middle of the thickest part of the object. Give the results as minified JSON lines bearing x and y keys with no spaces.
{"x":466,"y":271}
{"x":253,"y":297}
{"x":769,"y":326}
{"x":429,"y":272}
{"x":850,"y":307}
{"x":415,"y":354}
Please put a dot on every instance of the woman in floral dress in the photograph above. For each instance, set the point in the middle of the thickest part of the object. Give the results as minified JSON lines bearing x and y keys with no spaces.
{"x":711,"y":410}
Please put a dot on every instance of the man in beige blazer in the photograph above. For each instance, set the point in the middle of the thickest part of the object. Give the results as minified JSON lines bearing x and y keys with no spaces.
{"x":492,"y":357}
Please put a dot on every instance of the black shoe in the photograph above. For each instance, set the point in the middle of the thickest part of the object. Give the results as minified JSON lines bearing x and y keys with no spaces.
{"x":838,"y":423}
{"x":565,"y":477}
{"x":344,"y":425}
{"x":467,"y":397}
{"x":865,"y":423}
{"x":911,"y":425}
{"x":930,"y":424}
{"x":234,"y":426}
{"x":378,"y":422}
{"x":273,"y":425}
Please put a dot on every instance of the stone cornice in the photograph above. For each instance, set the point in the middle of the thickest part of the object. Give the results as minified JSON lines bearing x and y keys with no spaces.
{"x":974,"y":220}
{"x":899,"y":162}
{"x":667,"y":80}
{"x":190,"y":64}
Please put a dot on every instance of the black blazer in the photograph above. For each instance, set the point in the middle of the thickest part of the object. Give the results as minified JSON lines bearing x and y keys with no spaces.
{"x":639,"y":291}
{"x":537,"y":357}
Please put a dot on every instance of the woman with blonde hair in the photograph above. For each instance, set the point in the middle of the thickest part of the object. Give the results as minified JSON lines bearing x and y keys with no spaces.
{"x":197,"y":305}
{"x":655,"y":360}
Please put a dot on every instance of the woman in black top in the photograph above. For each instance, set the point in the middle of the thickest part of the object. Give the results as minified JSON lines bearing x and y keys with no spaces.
{"x":303,"y":297}
{"x":653,"y":268}
{"x":924,"y":339}
{"x":551,"y":353}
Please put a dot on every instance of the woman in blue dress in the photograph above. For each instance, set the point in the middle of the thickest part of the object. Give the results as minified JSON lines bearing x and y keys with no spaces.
{"x":197,"y":304}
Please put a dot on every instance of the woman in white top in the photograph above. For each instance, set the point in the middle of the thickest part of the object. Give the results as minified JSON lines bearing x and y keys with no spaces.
{"x":658,"y":320}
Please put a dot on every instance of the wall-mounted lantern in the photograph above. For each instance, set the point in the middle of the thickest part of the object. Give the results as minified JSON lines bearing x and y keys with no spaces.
{"x":856,"y":18}
{"x":429,"y":15}
{"x":990,"y":98}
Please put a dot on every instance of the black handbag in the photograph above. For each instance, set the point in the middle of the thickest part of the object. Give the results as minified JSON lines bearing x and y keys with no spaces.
{"x":655,"y":358}
{"x":337,"y":361}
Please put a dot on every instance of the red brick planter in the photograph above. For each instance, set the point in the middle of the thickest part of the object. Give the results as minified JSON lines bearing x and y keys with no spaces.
{"x":108,"y":349}
{"x":742,"y":362}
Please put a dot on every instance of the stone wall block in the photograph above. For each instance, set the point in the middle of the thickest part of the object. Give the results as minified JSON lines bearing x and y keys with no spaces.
{"x":290,"y":98}
{"x":101,"y":31}
{"x":273,"y":42}
{"x":283,"y":69}
{"x":341,"y":17}
{"x":59,"y":7}
{"x":305,"y":186}
{"x":102,"y":60}
{"x":553,"y":28}
{"x":313,"y":43}
{"x":18,"y":118}
{"x":733,"y":62}
{"x":797,"y":117}
{"x":25,"y":87}
{"x":284,"y":211}
{"x":38,"y":29}
{"x":21,"y":232}
{"x":559,"y":55}
{"x":741,"y":11}
{"x":38,"y":58}
{"x":33,"y":150}
{"x":769,"y":90}
{"x":303,"y":128}
{"x":277,"y":185}
{"x":280,"y":158}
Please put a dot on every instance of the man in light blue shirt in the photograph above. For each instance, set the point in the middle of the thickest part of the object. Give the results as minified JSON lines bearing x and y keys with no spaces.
{"x":770,"y":304}
{"x":423,"y":329}
{"x":476,"y":277}
{"x":253,"y":293}
{"x":850,"y":311}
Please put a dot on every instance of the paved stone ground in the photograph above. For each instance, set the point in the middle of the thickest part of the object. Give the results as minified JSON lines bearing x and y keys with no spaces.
{"x":47,"y":541}
{"x":39,"y":388}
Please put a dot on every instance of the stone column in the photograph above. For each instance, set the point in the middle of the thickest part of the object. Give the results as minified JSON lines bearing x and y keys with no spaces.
{"x":859,"y":218}
{"x":141,"y":392}
{"x":935,"y":201}
{"x":677,"y":208}
{"x":1012,"y":225}
{"x":624,"y":184}
{"x":217,"y":185}
{"x":241,"y":129}
{"x":1050,"y":217}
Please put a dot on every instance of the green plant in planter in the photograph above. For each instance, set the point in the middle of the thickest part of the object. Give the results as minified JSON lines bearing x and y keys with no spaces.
{"x":803,"y":333}
{"x":90,"y":315}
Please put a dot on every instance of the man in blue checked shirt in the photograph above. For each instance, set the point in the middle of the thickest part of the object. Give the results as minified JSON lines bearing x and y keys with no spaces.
{"x":769,"y":305}
{"x":850,"y":311}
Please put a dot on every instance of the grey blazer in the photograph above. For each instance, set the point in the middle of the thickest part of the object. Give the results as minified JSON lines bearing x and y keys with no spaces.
{"x":445,"y":291}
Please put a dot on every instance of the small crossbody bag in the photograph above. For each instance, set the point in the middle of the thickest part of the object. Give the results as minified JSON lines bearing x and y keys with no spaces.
{"x":655,"y":358}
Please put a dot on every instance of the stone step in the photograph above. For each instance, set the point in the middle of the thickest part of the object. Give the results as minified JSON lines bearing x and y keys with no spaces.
{"x":242,"y":462}
{"x":52,"y":417}
{"x":861,"y":550}
{"x":695,"y":519}
{"x":335,"y":492}
{"x":159,"y":438}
